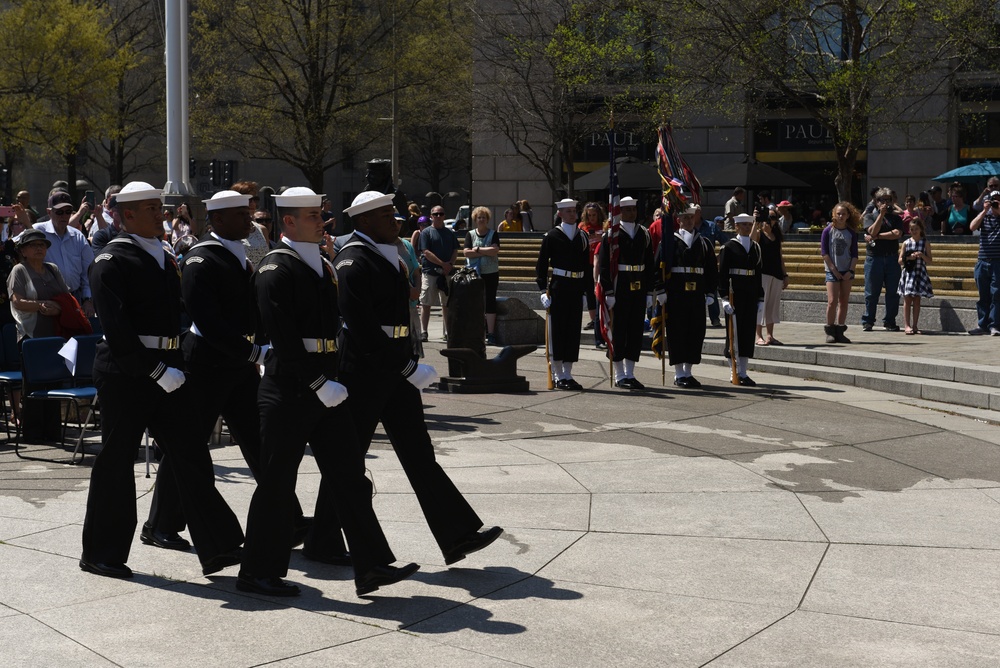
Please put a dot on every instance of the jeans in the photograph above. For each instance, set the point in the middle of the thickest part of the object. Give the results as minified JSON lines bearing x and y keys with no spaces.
{"x":881,"y":271}
{"x":713,"y":309}
{"x":987,"y":275}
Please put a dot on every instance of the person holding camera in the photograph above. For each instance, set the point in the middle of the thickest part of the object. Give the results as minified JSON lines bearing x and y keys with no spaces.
{"x":883,"y":229}
{"x":437,"y":247}
{"x":774,"y":278}
{"x":987,"y":271}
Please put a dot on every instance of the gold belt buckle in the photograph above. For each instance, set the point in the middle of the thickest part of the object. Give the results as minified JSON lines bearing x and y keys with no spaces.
{"x":400,"y":331}
{"x":690,"y":286}
{"x":168,"y":342}
{"x":635,"y":285}
{"x":326,"y":346}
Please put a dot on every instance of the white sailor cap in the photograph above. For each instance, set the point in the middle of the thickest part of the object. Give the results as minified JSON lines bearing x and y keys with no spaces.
{"x":298,"y":197}
{"x":226,"y":199}
{"x":136,"y":191}
{"x":369,"y":200}
{"x":627,"y":201}
{"x":691,"y":210}
{"x":743,"y":218}
{"x":566,"y":204}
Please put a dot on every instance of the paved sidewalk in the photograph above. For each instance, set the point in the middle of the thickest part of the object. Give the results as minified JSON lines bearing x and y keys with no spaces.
{"x":798,"y":523}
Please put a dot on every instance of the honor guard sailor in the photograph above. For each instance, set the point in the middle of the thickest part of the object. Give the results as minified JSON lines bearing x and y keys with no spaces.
{"x":136,"y":287}
{"x":381,"y":373}
{"x":566,"y":249}
{"x":220,"y":354}
{"x":300,"y":402}
{"x":629,"y":294}
{"x":739,"y":269}
{"x":690,"y":286}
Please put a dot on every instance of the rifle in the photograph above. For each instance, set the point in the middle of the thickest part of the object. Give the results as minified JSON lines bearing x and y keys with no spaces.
{"x":734,"y":345}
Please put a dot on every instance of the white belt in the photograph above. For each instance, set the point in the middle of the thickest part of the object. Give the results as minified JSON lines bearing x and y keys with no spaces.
{"x":742,"y":272}
{"x":320,"y":345}
{"x":631,"y":267}
{"x":567,"y":274}
{"x":159,"y":342}
{"x":688,"y":270}
{"x":396,"y":331}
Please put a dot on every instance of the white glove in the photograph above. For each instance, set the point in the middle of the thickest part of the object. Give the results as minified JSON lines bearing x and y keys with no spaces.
{"x":423,"y":376}
{"x":760,"y":309}
{"x":649,"y":301}
{"x":662,"y":298}
{"x":331,"y":393}
{"x":709,"y":300}
{"x":610,"y":301}
{"x":546,"y":300}
{"x":726,"y":306}
{"x":263,"y":352}
{"x":171,"y":379}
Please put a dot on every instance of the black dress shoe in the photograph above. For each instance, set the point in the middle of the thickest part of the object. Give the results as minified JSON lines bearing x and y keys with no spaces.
{"x":693,"y":382}
{"x":747,"y":382}
{"x":120,"y":571}
{"x":334,"y":559}
{"x":382,"y":576}
{"x":224,"y":560}
{"x":168,"y":540}
{"x":636,"y":385}
{"x":301,"y":530}
{"x":625,"y":383}
{"x":474,"y":542}
{"x":682,"y":382}
{"x":267,"y":586}
{"x":571,"y":384}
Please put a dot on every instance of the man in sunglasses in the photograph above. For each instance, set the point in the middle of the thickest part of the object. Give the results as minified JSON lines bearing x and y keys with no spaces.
{"x":987,"y":271}
{"x":437,"y":248}
{"x":883,"y":228}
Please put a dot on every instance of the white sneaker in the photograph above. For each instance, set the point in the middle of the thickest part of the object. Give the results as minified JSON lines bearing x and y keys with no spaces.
{"x":994,"y":331}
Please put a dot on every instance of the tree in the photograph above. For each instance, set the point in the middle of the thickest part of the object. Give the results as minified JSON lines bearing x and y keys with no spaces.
{"x":55,"y":61}
{"x":135,"y":94}
{"x":855,"y":66}
{"x":551,"y":72}
{"x":305,"y":82}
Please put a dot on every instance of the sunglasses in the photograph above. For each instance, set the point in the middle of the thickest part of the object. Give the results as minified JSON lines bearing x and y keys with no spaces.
{"x":439,"y":213}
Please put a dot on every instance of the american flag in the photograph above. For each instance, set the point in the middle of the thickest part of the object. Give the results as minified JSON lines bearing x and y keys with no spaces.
{"x":610,"y":238}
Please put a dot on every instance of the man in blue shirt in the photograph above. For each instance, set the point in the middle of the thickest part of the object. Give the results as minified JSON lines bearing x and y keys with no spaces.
{"x":987,"y":271}
{"x":69,"y":250}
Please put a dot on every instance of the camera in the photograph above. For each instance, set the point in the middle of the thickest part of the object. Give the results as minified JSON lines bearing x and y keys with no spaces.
{"x":994,"y":203}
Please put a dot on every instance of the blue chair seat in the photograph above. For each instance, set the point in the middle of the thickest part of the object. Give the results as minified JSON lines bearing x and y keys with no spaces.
{"x":77,"y":393}
{"x":10,"y":377}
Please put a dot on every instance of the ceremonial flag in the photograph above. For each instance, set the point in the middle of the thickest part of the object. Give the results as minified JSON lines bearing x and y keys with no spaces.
{"x":679,"y":182}
{"x":611,"y":239}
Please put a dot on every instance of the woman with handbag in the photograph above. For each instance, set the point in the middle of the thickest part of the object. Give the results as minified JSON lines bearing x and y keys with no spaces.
{"x":32,"y":286}
{"x":482,"y":246}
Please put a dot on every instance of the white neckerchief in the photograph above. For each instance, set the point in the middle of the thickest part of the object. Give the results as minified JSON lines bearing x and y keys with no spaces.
{"x":389,"y":251}
{"x":629,"y":229}
{"x":153,"y":246}
{"x":688,"y":237}
{"x":308,"y":251}
{"x":235,"y":247}
{"x":569,"y":230}
{"x":745,"y":241}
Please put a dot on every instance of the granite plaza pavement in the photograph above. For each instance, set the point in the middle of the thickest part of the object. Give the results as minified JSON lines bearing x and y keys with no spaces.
{"x":798,"y":523}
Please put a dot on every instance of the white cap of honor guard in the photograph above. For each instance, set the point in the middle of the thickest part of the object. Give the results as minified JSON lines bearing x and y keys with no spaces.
{"x":226,"y":199}
{"x":136,"y":191}
{"x":369,"y":200}
{"x":627,"y":201}
{"x":743,"y":218}
{"x":298,"y":197}
{"x":566,"y":204}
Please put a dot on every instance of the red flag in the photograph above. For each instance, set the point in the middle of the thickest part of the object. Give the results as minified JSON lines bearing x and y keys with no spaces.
{"x":610,"y":238}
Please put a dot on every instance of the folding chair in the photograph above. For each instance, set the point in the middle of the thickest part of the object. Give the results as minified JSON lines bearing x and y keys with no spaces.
{"x":10,"y":373}
{"x":83,"y":379}
{"x":46,"y":378}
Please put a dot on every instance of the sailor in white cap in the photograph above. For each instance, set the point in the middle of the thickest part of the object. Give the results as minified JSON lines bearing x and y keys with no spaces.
{"x":140,"y":385}
{"x":739,"y":268}
{"x":300,"y":402}
{"x":691,"y":279}
{"x":628,"y":293}
{"x":383,"y":375}
{"x":566,"y":250}
{"x":220,"y":354}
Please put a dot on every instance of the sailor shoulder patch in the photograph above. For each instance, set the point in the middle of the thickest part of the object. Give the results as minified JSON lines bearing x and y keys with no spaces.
{"x":103,"y":256}
{"x":267,"y":267}
{"x":345,"y":263}
{"x":194,"y":258}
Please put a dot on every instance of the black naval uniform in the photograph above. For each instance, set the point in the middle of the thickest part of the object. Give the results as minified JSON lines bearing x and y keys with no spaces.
{"x":635,"y":282}
{"x":741,"y":269}
{"x":295,"y":303}
{"x":221,"y":359}
{"x":692,"y":276}
{"x":376,"y":359}
{"x":572,"y":277}
{"x":134,"y":297}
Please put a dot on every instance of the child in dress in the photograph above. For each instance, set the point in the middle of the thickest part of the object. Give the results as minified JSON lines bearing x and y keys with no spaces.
{"x":914,"y":283}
